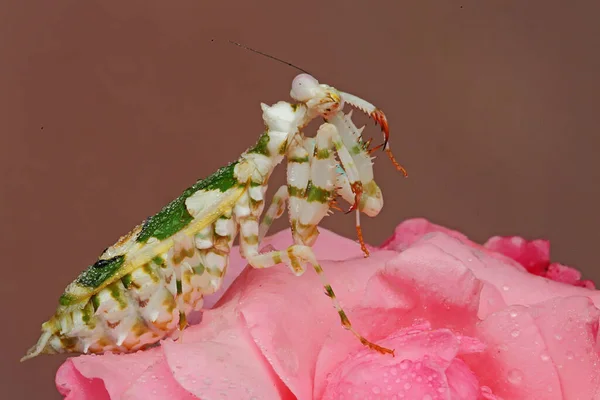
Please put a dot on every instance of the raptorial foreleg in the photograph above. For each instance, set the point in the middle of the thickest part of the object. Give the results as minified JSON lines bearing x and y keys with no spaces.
{"x":304,"y":170}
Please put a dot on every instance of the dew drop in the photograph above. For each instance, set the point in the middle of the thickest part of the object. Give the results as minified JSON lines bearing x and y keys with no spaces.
{"x":570,"y":355}
{"x":505,"y":288}
{"x":513,"y":314}
{"x":376,"y":390}
{"x":515,"y":333}
{"x":419,"y":379}
{"x":558,"y":337}
{"x":407,"y":386}
{"x":404,"y":364}
{"x":393,"y":371}
{"x":544,"y":356}
{"x":207,"y":381}
{"x":515,"y":376}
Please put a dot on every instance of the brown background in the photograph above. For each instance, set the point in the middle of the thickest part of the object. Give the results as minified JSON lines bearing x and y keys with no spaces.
{"x":110,"y":109}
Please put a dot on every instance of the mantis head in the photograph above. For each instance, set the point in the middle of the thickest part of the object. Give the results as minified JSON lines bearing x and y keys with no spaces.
{"x":326,"y":101}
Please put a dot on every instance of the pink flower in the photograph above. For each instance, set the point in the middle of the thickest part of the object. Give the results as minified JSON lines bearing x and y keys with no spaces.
{"x":466,"y":322}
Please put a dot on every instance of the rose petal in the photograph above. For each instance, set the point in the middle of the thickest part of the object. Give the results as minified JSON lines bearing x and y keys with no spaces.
{"x":516,"y":286}
{"x":74,"y":386}
{"x":412,"y":230}
{"x":462,"y":382}
{"x":570,"y":329}
{"x":227,"y":364}
{"x":157,"y":383}
{"x":534,"y":255}
{"x":512,"y":365}
{"x":433,"y":284}
{"x":547,"y":349}
{"x":418,"y":371}
{"x":562,"y":273}
{"x":289,"y":316}
{"x":117,"y":372}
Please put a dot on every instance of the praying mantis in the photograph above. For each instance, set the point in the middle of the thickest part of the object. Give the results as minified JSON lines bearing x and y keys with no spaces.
{"x":142,"y":288}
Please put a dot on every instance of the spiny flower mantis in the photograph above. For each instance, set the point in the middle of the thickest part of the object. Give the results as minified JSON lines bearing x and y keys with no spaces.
{"x":142,"y":288}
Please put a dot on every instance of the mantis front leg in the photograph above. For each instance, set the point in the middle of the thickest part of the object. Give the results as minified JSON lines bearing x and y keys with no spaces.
{"x":311,"y":186}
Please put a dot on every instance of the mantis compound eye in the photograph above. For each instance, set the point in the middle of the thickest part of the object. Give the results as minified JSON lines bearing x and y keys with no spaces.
{"x":304,"y":87}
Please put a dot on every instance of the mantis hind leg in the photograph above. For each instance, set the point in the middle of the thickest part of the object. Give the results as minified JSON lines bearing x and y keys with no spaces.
{"x":296,"y":256}
{"x":275,"y":210}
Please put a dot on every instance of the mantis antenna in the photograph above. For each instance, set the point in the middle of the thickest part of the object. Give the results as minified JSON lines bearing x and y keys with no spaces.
{"x":269,"y":56}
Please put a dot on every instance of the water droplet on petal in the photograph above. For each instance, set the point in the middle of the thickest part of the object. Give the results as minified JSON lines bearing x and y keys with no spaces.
{"x":376,"y":390}
{"x":515,"y":333}
{"x":544,"y":356}
{"x":558,"y":337}
{"x":513,"y":313}
{"x":570,"y":355}
{"x":407,"y":386}
{"x":393,"y":371}
{"x":505,"y":288}
{"x":515,"y":376}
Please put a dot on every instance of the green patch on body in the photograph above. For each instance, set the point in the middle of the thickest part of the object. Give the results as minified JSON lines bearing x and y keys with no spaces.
{"x":147,"y":268}
{"x":115,"y":293}
{"x":294,"y":191}
{"x":67,"y":299}
{"x":95,"y":302}
{"x":127,"y":279}
{"x":199,"y":269}
{"x":318,"y":194}
{"x":175,"y":216}
{"x":323,"y":154}
{"x":329,"y":291}
{"x":158,"y":260}
{"x":298,"y":160}
{"x":87,"y":316}
{"x":262,"y":146}
{"x":182,"y":255}
{"x":95,"y":275}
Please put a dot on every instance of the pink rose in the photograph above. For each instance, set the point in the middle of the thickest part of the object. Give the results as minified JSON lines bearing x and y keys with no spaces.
{"x":466,"y":322}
